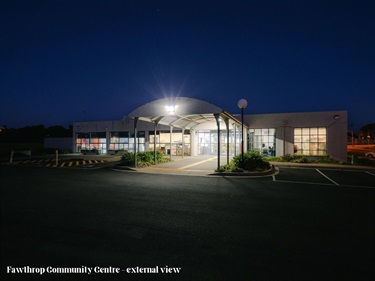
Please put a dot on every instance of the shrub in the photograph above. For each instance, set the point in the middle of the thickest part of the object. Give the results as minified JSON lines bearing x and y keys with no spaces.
{"x":143,"y":158}
{"x":300,"y":159}
{"x":230,"y":168}
{"x":287,"y":158}
{"x":252,"y":161}
{"x":127,"y":159}
{"x":275,"y":158}
{"x":325,"y":160}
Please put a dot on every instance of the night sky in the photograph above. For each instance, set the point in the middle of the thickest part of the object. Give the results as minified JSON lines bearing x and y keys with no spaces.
{"x":65,"y":61}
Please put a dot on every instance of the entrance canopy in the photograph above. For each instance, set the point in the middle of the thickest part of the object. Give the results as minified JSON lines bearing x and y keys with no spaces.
{"x":184,"y":113}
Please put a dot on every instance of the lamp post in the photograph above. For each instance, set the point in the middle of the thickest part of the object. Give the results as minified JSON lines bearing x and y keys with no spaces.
{"x":242,"y":104}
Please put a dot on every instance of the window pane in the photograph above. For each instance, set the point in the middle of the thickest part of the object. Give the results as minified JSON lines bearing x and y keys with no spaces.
{"x":322,"y":131}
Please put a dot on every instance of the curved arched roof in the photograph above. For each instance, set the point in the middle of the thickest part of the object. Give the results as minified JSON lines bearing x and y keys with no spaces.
{"x":183,"y":106}
{"x":179,"y":112}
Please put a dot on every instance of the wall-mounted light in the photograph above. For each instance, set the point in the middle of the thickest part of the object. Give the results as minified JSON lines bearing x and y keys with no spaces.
{"x":336,"y":117}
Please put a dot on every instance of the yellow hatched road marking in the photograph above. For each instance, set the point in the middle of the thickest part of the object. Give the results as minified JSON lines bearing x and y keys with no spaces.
{"x":90,"y":162}
{"x":70,"y":164}
{"x":62,"y":165}
{"x":48,"y":165}
{"x":96,"y":161}
{"x":84,"y":162}
{"x":77,"y":163}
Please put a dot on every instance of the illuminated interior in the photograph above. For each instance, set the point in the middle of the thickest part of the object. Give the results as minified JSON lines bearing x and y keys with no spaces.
{"x":163,"y":142}
{"x":125,"y":141}
{"x":208,"y":141}
{"x":263,"y":140}
{"x":310,"y":141}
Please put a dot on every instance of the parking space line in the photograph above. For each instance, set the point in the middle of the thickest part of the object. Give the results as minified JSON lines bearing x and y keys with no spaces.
{"x":327,"y":177}
{"x":327,"y":184}
{"x":305,"y":182}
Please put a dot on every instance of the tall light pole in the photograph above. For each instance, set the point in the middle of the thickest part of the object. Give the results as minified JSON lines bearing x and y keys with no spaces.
{"x":242,"y":104}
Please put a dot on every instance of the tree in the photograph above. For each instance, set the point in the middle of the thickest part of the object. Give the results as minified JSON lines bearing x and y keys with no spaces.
{"x":367,"y":131}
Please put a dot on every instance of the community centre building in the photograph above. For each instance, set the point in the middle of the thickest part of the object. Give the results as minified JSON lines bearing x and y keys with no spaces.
{"x":191,"y":127}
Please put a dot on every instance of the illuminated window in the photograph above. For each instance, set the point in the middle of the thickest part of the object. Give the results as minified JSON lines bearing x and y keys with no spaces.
{"x":163,"y":142}
{"x":141,"y":139}
{"x":310,"y":141}
{"x":119,"y":141}
{"x":263,"y":140}
{"x":91,"y":141}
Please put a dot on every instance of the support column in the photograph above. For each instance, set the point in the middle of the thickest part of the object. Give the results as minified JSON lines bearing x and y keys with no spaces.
{"x":107,"y":139}
{"x":227,"y":126}
{"x":170,"y":141}
{"x":183,"y":143}
{"x":155,"y":126}
{"x":135,"y":141}
{"x":235,"y":139}
{"x":217,"y":117}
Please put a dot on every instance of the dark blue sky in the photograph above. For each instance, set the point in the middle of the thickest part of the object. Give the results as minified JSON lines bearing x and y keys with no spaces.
{"x":66,"y":61}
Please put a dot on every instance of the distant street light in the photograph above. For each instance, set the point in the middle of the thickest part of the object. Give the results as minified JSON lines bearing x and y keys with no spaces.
{"x":242,"y":104}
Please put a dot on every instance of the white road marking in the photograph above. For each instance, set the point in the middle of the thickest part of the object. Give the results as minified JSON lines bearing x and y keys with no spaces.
{"x":370,"y":173}
{"x":326,"y":177}
{"x":327,"y":184}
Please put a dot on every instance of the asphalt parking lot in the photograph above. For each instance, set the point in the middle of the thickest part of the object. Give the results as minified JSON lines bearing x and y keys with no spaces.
{"x":361,"y":178}
{"x":304,"y":223}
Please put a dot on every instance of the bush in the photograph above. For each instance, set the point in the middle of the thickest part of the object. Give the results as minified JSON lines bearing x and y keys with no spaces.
{"x":326,"y":160}
{"x":252,"y":161}
{"x":143,"y":158}
{"x":300,"y":159}
{"x":127,"y":159}
{"x":287,"y":158}
{"x":275,"y":158}
{"x":230,"y":168}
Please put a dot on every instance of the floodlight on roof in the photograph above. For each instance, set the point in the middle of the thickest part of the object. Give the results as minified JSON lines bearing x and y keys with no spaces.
{"x":171,"y":108}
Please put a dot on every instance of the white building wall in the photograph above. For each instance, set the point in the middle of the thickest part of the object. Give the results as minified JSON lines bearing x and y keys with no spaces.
{"x":284,"y":123}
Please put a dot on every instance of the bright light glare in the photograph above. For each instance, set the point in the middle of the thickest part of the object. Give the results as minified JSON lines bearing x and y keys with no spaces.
{"x":171,"y":108}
